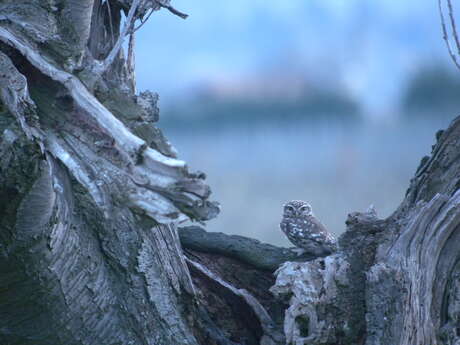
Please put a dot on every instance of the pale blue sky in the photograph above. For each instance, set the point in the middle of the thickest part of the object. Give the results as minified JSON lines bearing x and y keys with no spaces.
{"x":367,"y":47}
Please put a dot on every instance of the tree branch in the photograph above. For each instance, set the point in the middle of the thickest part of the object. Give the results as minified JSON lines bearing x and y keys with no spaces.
{"x":165,"y":177}
{"x":253,"y":252}
{"x":454,"y":28}
{"x":128,"y":28}
{"x":109,"y":12}
{"x":130,"y":19}
{"x":446,"y":36}
{"x":173,"y":10}
{"x":143,"y":21}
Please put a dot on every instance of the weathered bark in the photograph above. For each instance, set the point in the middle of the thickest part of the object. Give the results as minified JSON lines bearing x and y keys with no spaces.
{"x":233,"y":275}
{"x":394,"y":281}
{"x":260,"y":255}
{"x":89,"y":248}
{"x":91,"y":194}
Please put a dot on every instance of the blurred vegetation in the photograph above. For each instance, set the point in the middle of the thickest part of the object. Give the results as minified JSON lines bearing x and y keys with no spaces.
{"x":260,"y":151}
{"x":433,"y":90}
{"x":208,"y":111}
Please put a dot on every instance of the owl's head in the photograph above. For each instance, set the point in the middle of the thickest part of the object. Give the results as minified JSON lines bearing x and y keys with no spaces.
{"x":297,"y":208}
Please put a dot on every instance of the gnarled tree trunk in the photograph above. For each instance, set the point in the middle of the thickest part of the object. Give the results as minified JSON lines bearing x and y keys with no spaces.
{"x":91,"y":194}
{"x":90,"y":190}
{"x":394,"y":281}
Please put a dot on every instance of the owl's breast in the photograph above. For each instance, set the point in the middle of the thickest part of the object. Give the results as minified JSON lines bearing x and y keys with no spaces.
{"x":294,"y":229}
{"x":302,"y":223}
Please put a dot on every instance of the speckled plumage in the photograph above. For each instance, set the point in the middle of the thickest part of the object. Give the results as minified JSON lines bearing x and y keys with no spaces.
{"x":305,"y":231}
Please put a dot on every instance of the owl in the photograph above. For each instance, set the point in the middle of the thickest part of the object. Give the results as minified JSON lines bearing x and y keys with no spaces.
{"x":305,"y":231}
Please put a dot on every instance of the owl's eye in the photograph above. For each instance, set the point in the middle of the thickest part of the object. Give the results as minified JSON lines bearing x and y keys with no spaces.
{"x":304,"y":208}
{"x":289,"y":208}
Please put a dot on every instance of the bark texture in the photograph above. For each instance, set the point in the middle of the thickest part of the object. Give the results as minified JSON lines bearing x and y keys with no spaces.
{"x":394,"y":281}
{"x":90,"y":190}
{"x":91,"y":193}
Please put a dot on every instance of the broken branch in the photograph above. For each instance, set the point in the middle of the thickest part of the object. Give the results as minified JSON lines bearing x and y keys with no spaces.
{"x":173,"y":10}
{"x":130,"y":19}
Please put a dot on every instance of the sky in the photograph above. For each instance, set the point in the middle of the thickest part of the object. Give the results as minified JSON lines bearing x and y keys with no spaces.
{"x":367,"y":48}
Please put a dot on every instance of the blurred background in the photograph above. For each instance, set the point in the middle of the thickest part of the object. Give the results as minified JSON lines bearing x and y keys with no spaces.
{"x":330,"y":101}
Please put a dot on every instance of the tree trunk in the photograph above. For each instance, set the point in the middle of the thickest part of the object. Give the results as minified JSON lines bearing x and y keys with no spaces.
{"x":89,"y":252}
{"x":91,"y":194}
{"x":394,"y":281}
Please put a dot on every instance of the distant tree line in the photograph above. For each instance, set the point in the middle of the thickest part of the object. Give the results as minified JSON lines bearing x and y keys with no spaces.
{"x":432,"y":90}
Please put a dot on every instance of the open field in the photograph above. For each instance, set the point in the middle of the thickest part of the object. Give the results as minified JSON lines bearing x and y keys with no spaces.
{"x":338,"y":168}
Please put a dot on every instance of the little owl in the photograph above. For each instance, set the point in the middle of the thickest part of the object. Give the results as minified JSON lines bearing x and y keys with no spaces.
{"x":305,"y":231}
